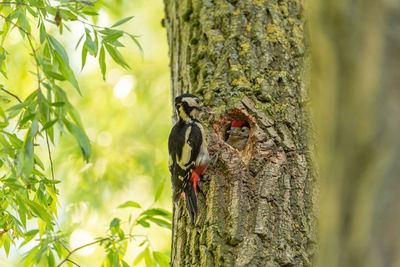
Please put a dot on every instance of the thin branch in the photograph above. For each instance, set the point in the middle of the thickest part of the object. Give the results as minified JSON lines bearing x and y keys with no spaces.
{"x":65,"y":247}
{"x":28,"y":35}
{"x":21,"y":4}
{"x":81,"y":247}
{"x":11,"y":94}
{"x":73,"y":262}
{"x":61,"y":243}
{"x":89,"y":244}
{"x":39,"y":7}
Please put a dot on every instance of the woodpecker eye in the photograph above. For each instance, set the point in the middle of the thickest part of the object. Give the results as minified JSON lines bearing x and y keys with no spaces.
{"x":197,"y":101}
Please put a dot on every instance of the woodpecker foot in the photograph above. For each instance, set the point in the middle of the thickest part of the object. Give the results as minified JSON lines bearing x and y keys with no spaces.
{"x":215,"y":157}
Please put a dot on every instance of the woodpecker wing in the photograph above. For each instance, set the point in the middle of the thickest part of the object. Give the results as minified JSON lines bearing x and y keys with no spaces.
{"x":184,"y":146}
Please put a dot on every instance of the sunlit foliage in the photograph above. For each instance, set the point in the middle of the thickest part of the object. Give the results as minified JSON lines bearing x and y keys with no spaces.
{"x":54,"y":58}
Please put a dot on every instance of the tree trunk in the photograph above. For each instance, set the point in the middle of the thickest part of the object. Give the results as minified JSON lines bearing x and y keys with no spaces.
{"x":244,"y":59}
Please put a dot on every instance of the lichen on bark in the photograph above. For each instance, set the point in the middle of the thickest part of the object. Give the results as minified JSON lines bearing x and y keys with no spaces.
{"x":244,"y":59}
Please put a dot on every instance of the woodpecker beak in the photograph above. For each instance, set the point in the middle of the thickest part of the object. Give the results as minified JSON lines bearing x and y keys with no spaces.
{"x":233,"y":132}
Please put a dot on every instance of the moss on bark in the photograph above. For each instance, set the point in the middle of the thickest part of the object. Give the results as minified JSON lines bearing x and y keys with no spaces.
{"x":244,"y":59}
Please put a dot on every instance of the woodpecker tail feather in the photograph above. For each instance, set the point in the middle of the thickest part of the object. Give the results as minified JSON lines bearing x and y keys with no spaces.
{"x":191,"y":202}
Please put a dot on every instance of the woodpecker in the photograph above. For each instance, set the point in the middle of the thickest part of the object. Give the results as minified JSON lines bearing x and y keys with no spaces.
{"x":188,"y":154}
{"x":238,"y":134}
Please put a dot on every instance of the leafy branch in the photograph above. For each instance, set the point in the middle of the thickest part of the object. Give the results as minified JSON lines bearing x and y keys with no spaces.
{"x":11,"y":94}
{"x":26,"y":193}
{"x":114,"y":243}
{"x":79,"y":248}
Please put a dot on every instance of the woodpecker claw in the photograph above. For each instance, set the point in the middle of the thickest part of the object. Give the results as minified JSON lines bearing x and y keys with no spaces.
{"x":215,"y":157}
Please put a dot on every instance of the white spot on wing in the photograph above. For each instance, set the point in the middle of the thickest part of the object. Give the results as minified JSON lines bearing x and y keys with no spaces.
{"x":186,"y":150}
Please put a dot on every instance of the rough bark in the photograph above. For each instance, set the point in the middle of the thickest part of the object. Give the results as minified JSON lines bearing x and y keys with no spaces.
{"x":244,"y":59}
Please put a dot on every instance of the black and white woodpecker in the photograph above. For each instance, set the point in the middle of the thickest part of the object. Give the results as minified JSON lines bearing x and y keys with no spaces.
{"x":188,"y":154}
{"x":238,"y":134}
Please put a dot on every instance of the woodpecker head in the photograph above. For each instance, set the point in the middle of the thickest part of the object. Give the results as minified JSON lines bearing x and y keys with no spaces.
{"x":188,"y":107}
{"x":238,"y":134}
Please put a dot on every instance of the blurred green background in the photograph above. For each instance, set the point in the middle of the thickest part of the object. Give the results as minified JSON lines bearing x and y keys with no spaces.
{"x":127,"y":118}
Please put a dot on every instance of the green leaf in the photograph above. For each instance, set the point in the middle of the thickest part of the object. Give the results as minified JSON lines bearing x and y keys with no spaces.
{"x":157,"y":211}
{"x":160,"y":188}
{"x":124,"y":264}
{"x":90,"y":13}
{"x":52,"y":10}
{"x":16,"y":107}
{"x":27,"y":153}
{"x":6,"y":244}
{"x":69,"y":74}
{"x":56,"y":76}
{"x":140,"y":48}
{"x":50,"y":259}
{"x":31,"y":11}
{"x":59,"y":249}
{"x":21,"y":211}
{"x":147,"y":258}
{"x":129,"y":204}
{"x":28,"y":236}
{"x":160,"y":222}
{"x":81,"y":137}
{"x":122,"y":21}
{"x":116,"y":56}
{"x":79,"y":42}
{"x":43,"y":33}
{"x":161,"y":259}
{"x":84,"y":55}
{"x":143,"y":223}
{"x":114,"y":222}
{"x":33,"y":130}
{"x":28,"y":258}
{"x":102,"y":62}
{"x":59,"y":48}
{"x":111,"y":36}
{"x":27,"y":117}
{"x":39,"y":211}
{"x":38,"y":162}
{"x":139,"y":258}
{"x":49,"y":124}
{"x":57,"y":104}
{"x":67,"y":15}
{"x":3,"y":124}
{"x":90,"y":45}
{"x":47,"y":181}
{"x":96,"y":42}
{"x":23,"y":22}
{"x":73,"y":113}
{"x":2,"y":113}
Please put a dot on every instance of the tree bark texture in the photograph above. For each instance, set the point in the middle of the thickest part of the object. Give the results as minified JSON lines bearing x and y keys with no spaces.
{"x":245,"y":60}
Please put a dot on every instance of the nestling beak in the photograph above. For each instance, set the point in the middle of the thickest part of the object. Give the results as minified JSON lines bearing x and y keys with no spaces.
{"x":233,"y":132}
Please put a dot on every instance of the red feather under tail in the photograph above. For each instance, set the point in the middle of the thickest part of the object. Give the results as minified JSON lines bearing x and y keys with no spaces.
{"x":195,"y":179}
